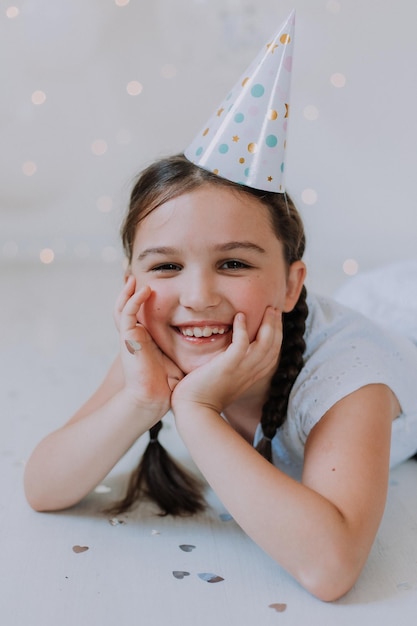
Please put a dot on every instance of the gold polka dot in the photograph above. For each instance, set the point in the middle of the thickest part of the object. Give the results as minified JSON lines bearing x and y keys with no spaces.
{"x":287,"y":110}
{"x":241,"y":160}
{"x":252,"y":147}
{"x":270,"y":179}
{"x":205,"y":132}
{"x":272,"y":114}
{"x":216,"y":171}
{"x":285,"y":38}
{"x":245,"y":80}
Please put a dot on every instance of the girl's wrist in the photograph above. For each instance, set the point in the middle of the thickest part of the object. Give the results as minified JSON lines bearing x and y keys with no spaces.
{"x":144,"y":412}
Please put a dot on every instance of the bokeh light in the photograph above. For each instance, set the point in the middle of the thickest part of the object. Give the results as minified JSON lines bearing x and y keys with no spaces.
{"x":350,"y":267}
{"x":99,"y":147}
{"x":29,"y":168}
{"x":338,"y":80}
{"x":47,"y":255}
{"x":311,"y":112}
{"x":134,"y":88}
{"x":12,"y":12}
{"x":309,"y":196}
{"x":38,"y":97}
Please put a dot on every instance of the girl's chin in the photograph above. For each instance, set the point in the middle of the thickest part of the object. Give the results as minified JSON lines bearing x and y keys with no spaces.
{"x":187,"y":365}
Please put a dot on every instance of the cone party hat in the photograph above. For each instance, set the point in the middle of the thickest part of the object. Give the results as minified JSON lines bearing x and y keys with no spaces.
{"x":244,"y":140}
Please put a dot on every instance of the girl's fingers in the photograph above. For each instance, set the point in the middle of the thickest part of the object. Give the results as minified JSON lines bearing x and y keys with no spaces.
{"x":128,"y":316}
{"x":127,"y":291}
{"x":270,"y":331}
{"x":240,"y":334}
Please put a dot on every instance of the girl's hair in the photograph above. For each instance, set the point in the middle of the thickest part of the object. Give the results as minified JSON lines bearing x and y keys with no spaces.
{"x":174,"y":490}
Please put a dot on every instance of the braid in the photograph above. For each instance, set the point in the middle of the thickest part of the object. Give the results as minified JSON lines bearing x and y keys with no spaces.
{"x":274,"y":411}
{"x":159,"y":477}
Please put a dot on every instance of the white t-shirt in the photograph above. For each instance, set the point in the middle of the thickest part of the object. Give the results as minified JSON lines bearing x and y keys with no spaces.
{"x":344,"y":352}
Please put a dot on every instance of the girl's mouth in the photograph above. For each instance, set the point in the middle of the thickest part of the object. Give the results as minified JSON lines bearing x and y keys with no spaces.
{"x":203,"y":331}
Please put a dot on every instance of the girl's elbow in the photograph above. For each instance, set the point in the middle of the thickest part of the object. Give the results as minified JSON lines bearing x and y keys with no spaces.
{"x":332,"y":579}
{"x":40,"y":500}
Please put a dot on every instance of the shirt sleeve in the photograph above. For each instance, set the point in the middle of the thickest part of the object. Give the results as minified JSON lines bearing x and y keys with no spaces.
{"x":345,"y":351}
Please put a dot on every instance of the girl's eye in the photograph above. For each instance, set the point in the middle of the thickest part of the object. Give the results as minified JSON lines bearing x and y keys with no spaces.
{"x":234,"y":264}
{"x":166,"y":267}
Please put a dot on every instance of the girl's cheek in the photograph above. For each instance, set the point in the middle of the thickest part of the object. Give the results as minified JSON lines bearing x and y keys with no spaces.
{"x":150,"y":309}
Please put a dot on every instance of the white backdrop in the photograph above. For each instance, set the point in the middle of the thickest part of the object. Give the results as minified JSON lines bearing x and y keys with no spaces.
{"x":92,"y":90}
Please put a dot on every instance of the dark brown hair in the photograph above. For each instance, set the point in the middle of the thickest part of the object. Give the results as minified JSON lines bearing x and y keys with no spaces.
{"x":158,"y":476}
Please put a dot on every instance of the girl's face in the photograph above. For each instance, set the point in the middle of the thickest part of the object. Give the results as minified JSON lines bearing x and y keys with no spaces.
{"x":207,"y":255}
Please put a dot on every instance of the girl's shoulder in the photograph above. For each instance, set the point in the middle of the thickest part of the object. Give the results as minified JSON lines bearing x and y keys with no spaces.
{"x":346,"y":351}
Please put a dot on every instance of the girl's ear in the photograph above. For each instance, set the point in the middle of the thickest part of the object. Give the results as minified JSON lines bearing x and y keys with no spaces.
{"x":295,"y":281}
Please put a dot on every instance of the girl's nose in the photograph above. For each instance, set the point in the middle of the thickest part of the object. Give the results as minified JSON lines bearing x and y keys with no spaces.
{"x":199,"y":292}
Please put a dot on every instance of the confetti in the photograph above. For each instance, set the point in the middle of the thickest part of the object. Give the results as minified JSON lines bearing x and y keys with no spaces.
{"x":225,"y":517}
{"x":79,"y":549}
{"x":279,"y":607}
{"x":180,"y":575}
{"x":186,"y":547}
{"x":102,"y":489}
{"x":116,"y":522}
{"x":210,"y":578}
{"x":404,"y":586}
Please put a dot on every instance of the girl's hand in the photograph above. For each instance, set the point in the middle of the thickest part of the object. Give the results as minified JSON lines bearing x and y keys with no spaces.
{"x":149,"y":375}
{"x":229,"y":374}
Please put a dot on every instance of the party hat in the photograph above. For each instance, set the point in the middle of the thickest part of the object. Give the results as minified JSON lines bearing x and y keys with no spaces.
{"x":244,"y":140}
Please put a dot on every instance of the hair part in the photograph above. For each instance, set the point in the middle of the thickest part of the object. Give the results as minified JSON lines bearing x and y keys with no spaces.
{"x":157,"y":475}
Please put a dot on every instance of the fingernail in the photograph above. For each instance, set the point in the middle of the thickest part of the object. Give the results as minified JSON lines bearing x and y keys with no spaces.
{"x":133,"y":346}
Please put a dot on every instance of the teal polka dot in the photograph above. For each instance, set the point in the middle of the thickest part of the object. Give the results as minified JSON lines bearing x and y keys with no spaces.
{"x":282,"y":167}
{"x":199,"y":151}
{"x":271,"y":141}
{"x":247,"y":171}
{"x":223,"y":148}
{"x":257,"y":90}
{"x":239,"y":117}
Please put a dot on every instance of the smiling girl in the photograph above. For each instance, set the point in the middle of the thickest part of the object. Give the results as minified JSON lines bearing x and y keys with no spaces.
{"x":292,"y":407}
{"x":286,"y":404}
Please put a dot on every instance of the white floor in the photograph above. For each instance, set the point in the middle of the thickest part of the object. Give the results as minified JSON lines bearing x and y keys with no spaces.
{"x":57,"y":339}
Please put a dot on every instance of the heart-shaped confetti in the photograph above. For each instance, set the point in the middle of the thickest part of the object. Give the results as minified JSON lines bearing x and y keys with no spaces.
{"x":180,"y":575}
{"x":186,"y":547}
{"x":116,"y":522}
{"x":79,"y":549}
{"x":279,"y":607}
{"x":210,"y":578}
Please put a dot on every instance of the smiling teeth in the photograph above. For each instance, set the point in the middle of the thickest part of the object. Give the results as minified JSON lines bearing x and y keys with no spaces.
{"x":197,"y":331}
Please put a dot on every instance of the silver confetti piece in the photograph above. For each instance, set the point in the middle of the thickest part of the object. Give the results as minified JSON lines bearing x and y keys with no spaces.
{"x":210,"y":578}
{"x":179,"y":574}
{"x":186,"y":547}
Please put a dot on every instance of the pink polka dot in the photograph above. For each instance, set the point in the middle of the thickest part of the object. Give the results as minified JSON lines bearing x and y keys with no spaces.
{"x":288,"y":63}
{"x":253,"y":110}
{"x":284,"y":125}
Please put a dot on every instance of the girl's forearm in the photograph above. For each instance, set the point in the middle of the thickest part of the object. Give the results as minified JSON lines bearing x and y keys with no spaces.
{"x":304,"y":532}
{"x":72,"y":460}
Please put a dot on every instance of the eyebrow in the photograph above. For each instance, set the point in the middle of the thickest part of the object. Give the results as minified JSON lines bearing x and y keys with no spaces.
{"x":222,"y":247}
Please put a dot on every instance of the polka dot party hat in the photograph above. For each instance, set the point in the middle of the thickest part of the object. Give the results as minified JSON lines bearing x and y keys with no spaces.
{"x":244,"y":140}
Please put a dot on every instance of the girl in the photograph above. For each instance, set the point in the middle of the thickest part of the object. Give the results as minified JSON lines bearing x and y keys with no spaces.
{"x":286,"y":403}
